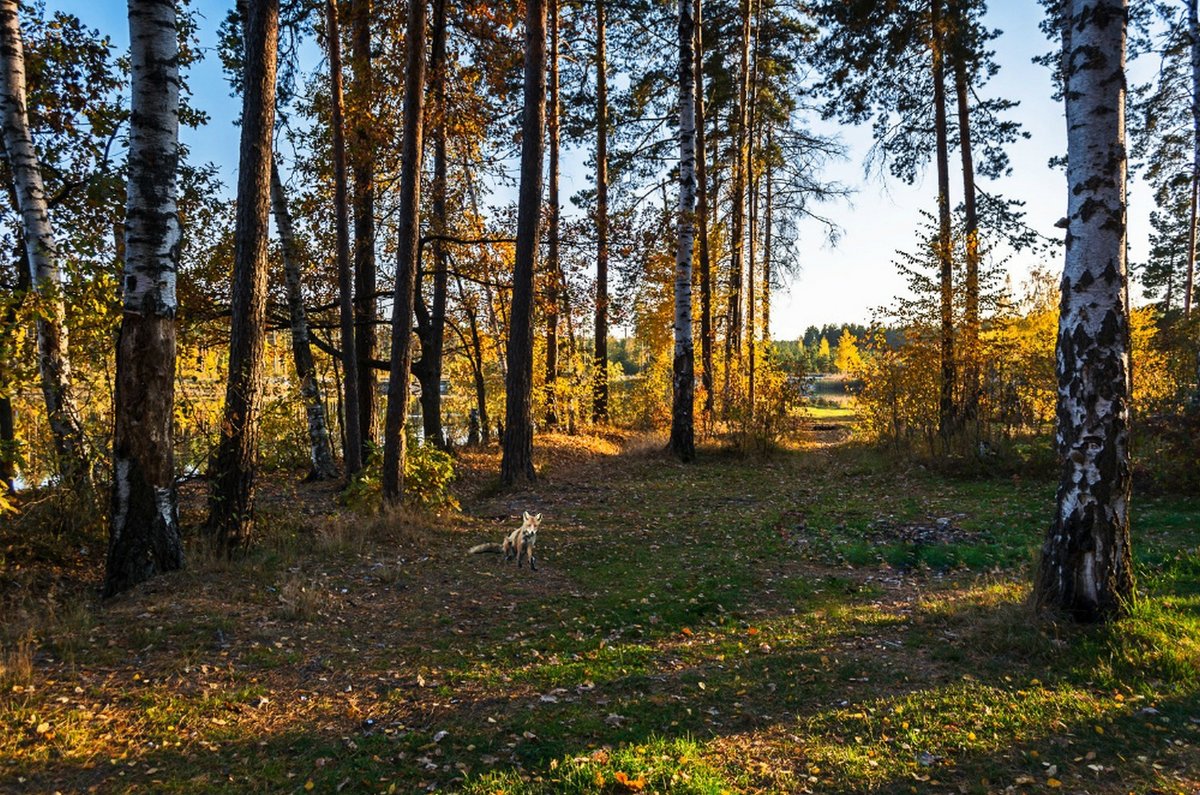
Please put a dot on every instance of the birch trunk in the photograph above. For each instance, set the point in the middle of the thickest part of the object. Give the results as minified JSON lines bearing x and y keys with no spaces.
{"x":600,"y":358}
{"x":516,"y":463}
{"x":322,"y":466}
{"x":395,"y":436}
{"x":706,"y":281}
{"x":231,"y":501}
{"x":362,"y":167}
{"x":682,"y":443}
{"x":1086,"y":566}
{"x":144,"y":538}
{"x":553,"y":277}
{"x":352,"y":452}
{"x":54,"y":363}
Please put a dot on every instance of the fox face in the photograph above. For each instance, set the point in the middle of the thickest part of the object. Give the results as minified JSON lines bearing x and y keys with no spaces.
{"x":530,"y":524}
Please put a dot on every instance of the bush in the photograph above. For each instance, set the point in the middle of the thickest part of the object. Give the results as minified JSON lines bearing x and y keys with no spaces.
{"x":428,"y":473}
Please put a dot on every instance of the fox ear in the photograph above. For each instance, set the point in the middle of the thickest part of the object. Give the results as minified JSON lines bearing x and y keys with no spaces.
{"x":525,"y":515}
{"x":537,"y":518}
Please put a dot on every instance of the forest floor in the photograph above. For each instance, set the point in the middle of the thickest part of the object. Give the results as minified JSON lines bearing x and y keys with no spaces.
{"x":824,"y":619}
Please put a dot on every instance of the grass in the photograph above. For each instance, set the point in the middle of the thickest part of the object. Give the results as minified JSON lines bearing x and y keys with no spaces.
{"x":801,"y":622}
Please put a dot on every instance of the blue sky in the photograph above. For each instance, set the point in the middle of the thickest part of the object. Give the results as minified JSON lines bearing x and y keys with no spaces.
{"x":834,"y":284}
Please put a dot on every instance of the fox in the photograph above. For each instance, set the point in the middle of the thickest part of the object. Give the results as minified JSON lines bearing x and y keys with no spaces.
{"x":519,"y":543}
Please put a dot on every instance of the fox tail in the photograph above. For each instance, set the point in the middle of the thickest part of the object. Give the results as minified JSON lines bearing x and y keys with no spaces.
{"x":478,"y":548}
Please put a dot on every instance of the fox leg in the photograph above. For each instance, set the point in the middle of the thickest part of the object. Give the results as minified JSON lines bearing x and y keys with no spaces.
{"x":532,"y":564}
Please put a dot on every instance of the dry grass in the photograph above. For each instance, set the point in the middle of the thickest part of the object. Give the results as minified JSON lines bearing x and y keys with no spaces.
{"x":16,"y":661}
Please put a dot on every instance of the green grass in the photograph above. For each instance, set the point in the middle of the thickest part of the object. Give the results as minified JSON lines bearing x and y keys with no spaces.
{"x":739,"y":624}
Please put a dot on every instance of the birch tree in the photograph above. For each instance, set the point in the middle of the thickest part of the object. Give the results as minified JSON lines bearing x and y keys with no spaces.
{"x":682,"y":442}
{"x":516,"y":463}
{"x":144,"y":537}
{"x":53,"y":350}
{"x":1086,"y":566}
{"x":321,"y":463}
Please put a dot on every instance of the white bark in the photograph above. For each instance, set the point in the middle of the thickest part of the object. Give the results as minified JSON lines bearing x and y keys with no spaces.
{"x":144,"y":537}
{"x":1086,"y":560}
{"x":320,"y":449}
{"x":683,"y":371}
{"x":152,"y":231}
{"x":53,"y":357}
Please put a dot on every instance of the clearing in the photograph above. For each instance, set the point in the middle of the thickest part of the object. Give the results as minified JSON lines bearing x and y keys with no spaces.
{"x":821,"y":620}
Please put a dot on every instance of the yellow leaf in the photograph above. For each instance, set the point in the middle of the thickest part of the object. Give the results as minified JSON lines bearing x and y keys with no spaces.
{"x":599,"y":779}
{"x":971,"y":736}
{"x":1053,"y":783}
{"x":308,"y":785}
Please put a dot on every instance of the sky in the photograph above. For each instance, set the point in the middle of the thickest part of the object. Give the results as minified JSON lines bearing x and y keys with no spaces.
{"x":834,"y":284}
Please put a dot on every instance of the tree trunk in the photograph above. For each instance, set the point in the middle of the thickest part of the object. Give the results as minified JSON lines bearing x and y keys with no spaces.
{"x":1194,"y":39}
{"x":474,"y":351}
{"x":1086,"y":566}
{"x":322,"y":466}
{"x":144,"y":538}
{"x":553,"y":266}
{"x":706,"y":281}
{"x":362,"y":165}
{"x":516,"y":463}
{"x":54,"y":362}
{"x":433,"y":342}
{"x":600,"y":359}
{"x":737,"y":235}
{"x":768,"y":168}
{"x":682,"y":443}
{"x":352,"y":453}
{"x":395,"y":437}
{"x":970,"y":353}
{"x":231,"y":501}
{"x":753,"y":183}
{"x":946,"y":413}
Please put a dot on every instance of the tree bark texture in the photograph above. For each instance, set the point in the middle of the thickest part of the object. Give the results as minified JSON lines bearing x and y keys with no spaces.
{"x":353,"y":451}
{"x":970,"y":352}
{"x":395,"y":437}
{"x":1194,"y":40}
{"x":737,"y":234}
{"x":321,"y":463}
{"x":1086,"y":566}
{"x":946,"y":413}
{"x":600,"y":357}
{"x":706,"y":280}
{"x":433,"y":341}
{"x":362,"y":166}
{"x":553,"y":276}
{"x":683,"y":437}
{"x":516,"y":463}
{"x":53,"y":350}
{"x":144,"y":538}
{"x":231,"y":500}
